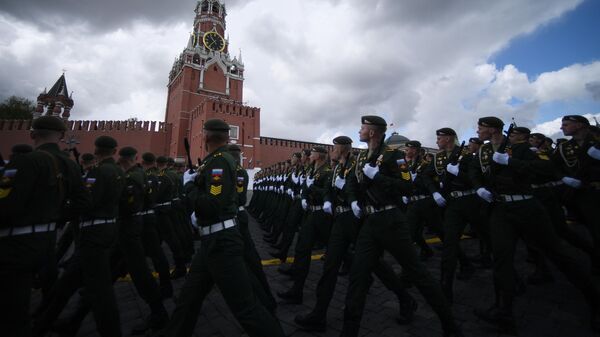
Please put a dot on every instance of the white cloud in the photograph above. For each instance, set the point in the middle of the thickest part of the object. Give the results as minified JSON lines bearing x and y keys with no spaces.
{"x":552,"y":128}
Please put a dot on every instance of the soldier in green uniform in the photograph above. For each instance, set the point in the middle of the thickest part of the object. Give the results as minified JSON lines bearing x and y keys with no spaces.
{"x":96,"y":235}
{"x":251,"y":256}
{"x":377,"y":190}
{"x":220,"y":260}
{"x":164,"y":213}
{"x":179,"y":215}
{"x":447,"y":177}
{"x":578,"y":167}
{"x":343,"y":234}
{"x":150,"y":234}
{"x":504,"y":179}
{"x":317,"y":225}
{"x":34,"y":191}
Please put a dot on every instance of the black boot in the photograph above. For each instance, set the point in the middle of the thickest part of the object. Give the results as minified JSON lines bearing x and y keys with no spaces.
{"x":286,"y":270}
{"x":448,"y":286}
{"x":408,"y":306}
{"x":312,"y":321}
{"x":500,"y":314}
{"x":179,"y":271}
{"x":292,"y":296}
{"x":278,"y":255}
{"x":350,"y":329}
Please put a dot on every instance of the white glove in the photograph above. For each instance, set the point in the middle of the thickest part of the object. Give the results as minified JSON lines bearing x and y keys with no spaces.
{"x":594,"y":152}
{"x":370,"y":171}
{"x":439,"y":199}
{"x":281,"y":189}
{"x":290,"y":192}
{"x":187,"y":176}
{"x":534,"y":149}
{"x":295,"y":178}
{"x":327,"y":207}
{"x":304,"y":204}
{"x":575,"y":183}
{"x":405,"y":200}
{"x":302,"y":179}
{"x":413,"y":176}
{"x":194,"y":220}
{"x":500,"y":158}
{"x":452,"y":169}
{"x":340,"y":182}
{"x":309,"y":182}
{"x":356,"y":210}
{"x":484,"y":194}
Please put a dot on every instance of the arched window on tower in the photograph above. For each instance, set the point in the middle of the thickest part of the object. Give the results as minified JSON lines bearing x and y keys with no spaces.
{"x":215,"y":8}
{"x":196,"y":59}
{"x":204,"y":6}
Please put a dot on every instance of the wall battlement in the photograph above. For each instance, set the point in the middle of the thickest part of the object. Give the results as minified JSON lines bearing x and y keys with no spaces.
{"x":150,"y":126}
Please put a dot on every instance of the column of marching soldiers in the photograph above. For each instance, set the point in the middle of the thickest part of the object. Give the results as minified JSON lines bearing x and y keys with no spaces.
{"x":111,"y":215}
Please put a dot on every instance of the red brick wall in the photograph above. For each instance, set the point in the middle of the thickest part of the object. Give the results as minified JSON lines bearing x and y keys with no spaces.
{"x":275,"y":150}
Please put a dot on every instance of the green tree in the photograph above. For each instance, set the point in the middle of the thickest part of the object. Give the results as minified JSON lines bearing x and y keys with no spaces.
{"x":15,"y":107}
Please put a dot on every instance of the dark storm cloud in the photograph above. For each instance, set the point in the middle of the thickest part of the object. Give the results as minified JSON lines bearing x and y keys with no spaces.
{"x":102,"y":15}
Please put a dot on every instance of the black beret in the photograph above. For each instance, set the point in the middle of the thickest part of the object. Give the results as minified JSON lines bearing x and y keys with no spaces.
{"x":413,"y":143}
{"x":491,"y":122}
{"x":521,"y":130}
{"x":306,"y":152}
{"x":162,"y":159}
{"x":127,"y":151}
{"x":297,"y":154}
{"x":576,"y":118}
{"x":216,"y":125}
{"x":21,"y":148}
{"x":49,"y":123}
{"x":445,"y":132}
{"x":149,"y":157}
{"x":548,"y":139}
{"x":373,"y":120}
{"x":233,"y":148}
{"x":87,"y":157}
{"x":170,"y":160}
{"x":537,"y":135}
{"x":106,"y":142}
{"x":475,"y":140}
{"x":342,"y":140}
{"x":318,"y":149}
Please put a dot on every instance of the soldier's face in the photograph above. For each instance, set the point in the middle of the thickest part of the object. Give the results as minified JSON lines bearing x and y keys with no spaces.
{"x":517,"y":137}
{"x":535,"y":142}
{"x":484,"y":133}
{"x":313,"y":156}
{"x":412,"y":151}
{"x":335,"y":152}
{"x":294,"y":160}
{"x":364,"y":134}
{"x":443,"y":141}
{"x":569,"y":128}
{"x":473,"y":147}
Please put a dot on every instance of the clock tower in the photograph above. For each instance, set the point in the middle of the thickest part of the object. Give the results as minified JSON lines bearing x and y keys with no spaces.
{"x":206,"y":82}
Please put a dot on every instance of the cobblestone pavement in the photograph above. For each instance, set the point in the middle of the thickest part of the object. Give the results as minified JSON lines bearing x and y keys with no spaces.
{"x":555,"y":309}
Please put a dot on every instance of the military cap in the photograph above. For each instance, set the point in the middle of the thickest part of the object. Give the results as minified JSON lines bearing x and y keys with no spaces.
{"x":521,"y":130}
{"x":162,"y":160}
{"x":106,"y":142}
{"x":87,"y":157}
{"x":373,"y":120}
{"x":306,"y":152}
{"x":21,"y":148}
{"x":548,"y":139}
{"x":49,"y":123}
{"x":475,"y":140}
{"x":576,"y":118}
{"x":216,"y":125}
{"x":491,"y":122}
{"x":127,"y":151}
{"x":149,"y":157}
{"x":537,"y":135}
{"x":413,"y":143}
{"x":297,"y":154}
{"x":170,"y":160}
{"x":445,"y":132}
{"x":342,"y":140}
{"x":318,"y":149}
{"x":233,"y":148}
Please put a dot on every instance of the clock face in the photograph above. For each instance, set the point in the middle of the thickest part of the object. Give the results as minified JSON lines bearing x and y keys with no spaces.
{"x":213,"y":41}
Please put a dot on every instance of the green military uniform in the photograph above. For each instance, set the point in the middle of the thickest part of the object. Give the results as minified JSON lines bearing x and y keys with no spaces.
{"x":343,"y":234}
{"x":516,"y":213}
{"x":220,"y":260}
{"x":90,"y":265}
{"x":317,"y":226}
{"x":34,"y":189}
{"x":179,"y":215}
{"x":385,"y":228}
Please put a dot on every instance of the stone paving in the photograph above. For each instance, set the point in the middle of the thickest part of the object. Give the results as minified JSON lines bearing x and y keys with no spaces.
{"x":555,"y":309}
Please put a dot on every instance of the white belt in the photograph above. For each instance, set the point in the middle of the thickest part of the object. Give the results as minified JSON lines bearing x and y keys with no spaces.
{"x":342,"y":209}
{"x":168,"y":203}
{"x":513,"y":197}
{"x":419,"y":197}
{"x":458,"y":194}
{"x":144,"y":212}
{"x":217,"y":227}
{"x":550,"y":184}
{"x":241,"y":208}
{"x":371,"y":209}
{"x":40,"y":228}
{"x":95,"y":222}
{"x":315,"y":208}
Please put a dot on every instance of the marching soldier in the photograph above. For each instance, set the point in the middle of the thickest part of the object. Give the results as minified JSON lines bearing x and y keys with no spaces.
{"x":220,"y":260}
{"x":375,"y":193}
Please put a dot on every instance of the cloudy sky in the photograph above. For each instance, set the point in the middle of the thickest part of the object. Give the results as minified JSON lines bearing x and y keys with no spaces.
{"x":315,"y":66}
